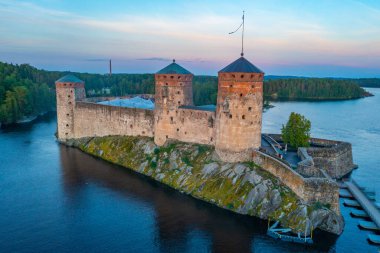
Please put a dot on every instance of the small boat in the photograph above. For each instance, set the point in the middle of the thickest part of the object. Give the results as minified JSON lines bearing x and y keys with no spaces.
{"x":368,"y":225}
{"x":352,"y":203}
{"x":359,"y":214}
{"x":284,"y":234}
{"x":375,"y":239}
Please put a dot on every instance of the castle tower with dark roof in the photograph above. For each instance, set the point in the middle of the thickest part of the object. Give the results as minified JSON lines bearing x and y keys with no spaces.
{"x":239,"y":110}
{"x":69,"y":89}
{"x":174,"y":88}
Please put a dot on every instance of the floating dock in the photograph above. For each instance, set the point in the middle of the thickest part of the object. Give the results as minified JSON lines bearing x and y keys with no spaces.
{"x":351,"y":203}
{"x":370,"y":195}
{"x":343,"y":193}
{"x":283,"y":235}
{"x":368,"y":225}
{"x":375,"y":239}
{"x":368,"y":206}
{"x":370,"y":209}
{"x":359,"y":214}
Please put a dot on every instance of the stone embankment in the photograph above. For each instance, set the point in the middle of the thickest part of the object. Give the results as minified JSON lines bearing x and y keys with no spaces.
{"x":244,"y":188}
{"x":324,"y":158}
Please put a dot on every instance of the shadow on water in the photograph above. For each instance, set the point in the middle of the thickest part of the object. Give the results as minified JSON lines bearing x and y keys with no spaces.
{"x":24,"y":127}
{"x":177,"y":214}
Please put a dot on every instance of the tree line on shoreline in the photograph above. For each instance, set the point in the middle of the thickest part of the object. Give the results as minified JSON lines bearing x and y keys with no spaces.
{"x":27,"y":91}
{"x":23,"y":93}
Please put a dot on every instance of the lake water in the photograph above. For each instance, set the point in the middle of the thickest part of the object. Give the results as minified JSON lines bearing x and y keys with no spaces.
{"x":58,"y":199}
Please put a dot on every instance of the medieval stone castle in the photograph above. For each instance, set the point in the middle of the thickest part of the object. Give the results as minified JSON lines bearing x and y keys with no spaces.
{"x":234,"y":128}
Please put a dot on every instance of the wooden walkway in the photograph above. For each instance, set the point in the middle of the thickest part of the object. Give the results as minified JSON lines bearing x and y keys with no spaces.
{"x":366,"y":204}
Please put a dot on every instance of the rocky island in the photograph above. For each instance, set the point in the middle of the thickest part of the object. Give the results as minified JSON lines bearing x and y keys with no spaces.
{"x":216,"y":155}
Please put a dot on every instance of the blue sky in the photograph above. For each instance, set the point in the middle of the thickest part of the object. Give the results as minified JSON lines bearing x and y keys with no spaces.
{"x":283,"y":37}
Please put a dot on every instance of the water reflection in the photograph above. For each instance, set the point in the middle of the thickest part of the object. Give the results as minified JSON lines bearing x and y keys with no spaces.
{"x":178,"y":218}
{"x":27,"y":127}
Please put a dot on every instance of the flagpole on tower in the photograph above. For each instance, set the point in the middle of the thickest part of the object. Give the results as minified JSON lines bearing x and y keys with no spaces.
{"x":242,"y":39}
{"x":242,"y":35}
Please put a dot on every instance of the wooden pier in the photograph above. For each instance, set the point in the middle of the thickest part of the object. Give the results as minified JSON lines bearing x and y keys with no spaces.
{"x":358,"y":197}
{"x":368,"y":225}
{"x":368,"y":206}
{"x":351,"y":203}
{"x":359,"y":214}
{"x":375,"y":239}
{"x":344,"y":193}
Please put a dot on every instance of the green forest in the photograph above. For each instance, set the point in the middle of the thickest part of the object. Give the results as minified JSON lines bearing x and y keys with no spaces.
{"x":313,"y":89}
{"x":27,"y":91}
{"x":368,"y":82}
{"x":22,"y":93}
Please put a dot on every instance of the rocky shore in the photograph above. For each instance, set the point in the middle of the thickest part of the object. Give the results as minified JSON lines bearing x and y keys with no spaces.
{"x":194,"y":169}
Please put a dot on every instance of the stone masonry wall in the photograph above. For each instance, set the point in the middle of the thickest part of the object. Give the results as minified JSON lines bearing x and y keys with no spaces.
{"x":335,"y":160}
{"x":172,"y":91}
{"x":195,"y":126}
{"x":311,"y":190}
{"x":187,"y":125}
{"x":322,"y":190}
{"x":333,"y":157}
{"x":306,"y":167}
{"x":65,"y":112}
{"x":67,"y":95}
{"x":104,"y":120}
{"x":238,"y":112}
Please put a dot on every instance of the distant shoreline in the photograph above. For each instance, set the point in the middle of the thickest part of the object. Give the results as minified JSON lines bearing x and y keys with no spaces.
{"x":284,"y":99}
{"x":28,"y":120}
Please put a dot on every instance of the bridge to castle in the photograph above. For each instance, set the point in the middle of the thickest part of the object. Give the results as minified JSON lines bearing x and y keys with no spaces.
{"x":365,"y":203}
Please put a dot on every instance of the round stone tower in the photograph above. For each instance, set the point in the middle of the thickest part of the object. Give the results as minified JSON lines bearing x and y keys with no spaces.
{"x":174,"y":88}
{"x":69,"y":89}
{"x":239,"y":110}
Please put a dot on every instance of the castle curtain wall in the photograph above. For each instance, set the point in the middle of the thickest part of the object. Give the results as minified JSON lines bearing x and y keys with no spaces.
{"x":196,"y":126}
{"x":103,"y":120}
{"x":187,"y":125}
{"x":311,"y":190}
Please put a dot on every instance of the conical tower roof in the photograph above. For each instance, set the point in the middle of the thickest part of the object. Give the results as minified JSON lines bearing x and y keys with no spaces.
{"x":174,"y":68}
{"x":241,"y":65}
{"x":69,"y":79}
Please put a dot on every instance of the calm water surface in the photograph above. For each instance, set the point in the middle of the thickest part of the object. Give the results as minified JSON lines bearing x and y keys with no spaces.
{"x":57,"y":199}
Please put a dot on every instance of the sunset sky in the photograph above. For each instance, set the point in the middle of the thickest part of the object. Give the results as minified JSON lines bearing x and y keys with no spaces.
{"x":322,"y":38}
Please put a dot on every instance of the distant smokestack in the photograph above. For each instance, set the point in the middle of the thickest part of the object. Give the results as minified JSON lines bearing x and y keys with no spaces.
{"x":110,"y":67}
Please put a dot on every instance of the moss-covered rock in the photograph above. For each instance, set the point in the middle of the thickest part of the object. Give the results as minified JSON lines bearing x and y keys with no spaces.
{"x":243,"y":188}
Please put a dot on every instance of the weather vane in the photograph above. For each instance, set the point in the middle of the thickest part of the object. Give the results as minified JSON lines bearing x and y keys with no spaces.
{"x":242,"y":35}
